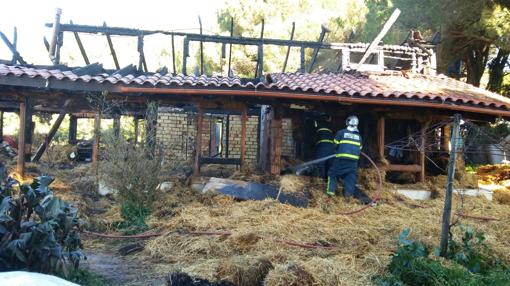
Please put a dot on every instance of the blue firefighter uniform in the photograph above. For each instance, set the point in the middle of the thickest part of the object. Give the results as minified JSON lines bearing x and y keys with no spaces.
{"x":345,"y":164}
{"x":325,"y":146}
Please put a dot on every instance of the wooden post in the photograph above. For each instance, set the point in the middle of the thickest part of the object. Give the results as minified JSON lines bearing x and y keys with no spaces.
{"x":265,"y":132}
{"x":21,"y":138}
{"x":54,"y":35}
{"x":73,"y":129}
{"x":116,"y":126}
{"x":198,"y":140}
{"x":244,"y":119}
{"x":288,"y":48}
{"x":97,"y":140}
{"x":380,"y":136}
{"x":150,"y":126}
{"x":29,"y":128}
{"x":137,"y":129}
{"x":80,"y":46}
{"x":1,"y":126}
{"x":302,"y":60}
{"x":445,"y":137}
{"x":112,"y":49}
{"x":276,"y":141}
{"x":445,"y":227}
{"x":423,"y":146}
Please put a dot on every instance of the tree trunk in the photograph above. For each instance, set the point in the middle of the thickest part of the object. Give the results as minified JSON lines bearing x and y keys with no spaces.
{"x":476,"y":59}
{"x":496,"y":70}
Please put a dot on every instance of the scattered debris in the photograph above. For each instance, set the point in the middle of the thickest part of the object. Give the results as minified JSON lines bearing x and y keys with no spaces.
{"x":165,"y":186}
{"x":183,"y":279}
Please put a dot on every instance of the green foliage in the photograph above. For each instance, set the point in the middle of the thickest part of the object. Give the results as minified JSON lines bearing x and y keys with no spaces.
{"x":85,"y":278}
{"x":133,"y":218}
{"x":38,"y":231}
{"x":470,"y":263}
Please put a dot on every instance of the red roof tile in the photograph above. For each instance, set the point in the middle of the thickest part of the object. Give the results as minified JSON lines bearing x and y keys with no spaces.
{"x":387,"y":85}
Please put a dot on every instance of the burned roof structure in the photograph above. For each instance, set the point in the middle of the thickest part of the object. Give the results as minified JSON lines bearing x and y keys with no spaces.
{"x":380,"y":83}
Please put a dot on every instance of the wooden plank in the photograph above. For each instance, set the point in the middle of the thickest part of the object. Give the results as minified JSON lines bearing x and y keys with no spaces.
{"x":380,"y":136}
{"x":112,"y":49}
{"x":276,"y":141}
{"x":198,"y":140}
{"x":185,"y":54}
{"x":80,"y":46}
{"x":73,"y":129}
{"x":20,"y":168}
{"x":379,"y":37}
{"x":288,"y":48}
{"x":97,"y":141}
{"x":244,"y":119}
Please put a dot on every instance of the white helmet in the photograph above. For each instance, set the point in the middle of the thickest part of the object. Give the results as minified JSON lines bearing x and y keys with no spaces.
{"x":352,"y":121}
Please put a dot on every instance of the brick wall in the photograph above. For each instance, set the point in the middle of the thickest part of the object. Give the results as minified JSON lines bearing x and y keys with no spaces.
{"x":177,"y":130}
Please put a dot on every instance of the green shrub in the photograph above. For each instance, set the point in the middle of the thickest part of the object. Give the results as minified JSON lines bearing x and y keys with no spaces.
{"x":469,"y":262}
{"x":38,"y":231}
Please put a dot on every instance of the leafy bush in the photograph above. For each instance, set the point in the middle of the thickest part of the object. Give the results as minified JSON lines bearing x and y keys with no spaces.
{"x":470,"y":262}
{"x":38,"y":231}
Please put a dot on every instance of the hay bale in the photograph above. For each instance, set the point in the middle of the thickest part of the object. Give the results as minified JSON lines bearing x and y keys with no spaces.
{"x":369,"y":178}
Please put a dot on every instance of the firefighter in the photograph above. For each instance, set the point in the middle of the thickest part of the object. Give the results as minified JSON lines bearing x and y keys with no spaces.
{"x":325,"y":145}
{"x":345,"y":164}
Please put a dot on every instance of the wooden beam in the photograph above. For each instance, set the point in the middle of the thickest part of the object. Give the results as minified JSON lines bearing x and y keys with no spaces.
{"x":414,"y":168}
{"x":173,"y":55}
{"x":142,"y":65}
{"x":276,"y":141}
{"x":151,"y":126}
{"x":230,"y":48}
{"x":201,"y":48}
{"x":244,"y":119}
{"x":97,"y":141}
{"x":380,"y":136}
{"x":80,"y":46}
{"x":112,"y":49}
{"x":324,"y":30}
{"x":12,"y":48}
{"x":15,"y":44}
{"x":20,"y":168}
{"x":260,"y":54}
{"x":47,"y":140}
{"x":302,"y":60}
{"x":73,"y":129}
{"x":379,"y":37}
{"x":185,"y":54}
{"x":198,"y":140}
{"x":288,"y":48}
{"x":54,"y":36}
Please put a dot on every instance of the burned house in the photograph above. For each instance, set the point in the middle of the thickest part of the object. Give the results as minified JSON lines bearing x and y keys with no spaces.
{"x":264,"y":121}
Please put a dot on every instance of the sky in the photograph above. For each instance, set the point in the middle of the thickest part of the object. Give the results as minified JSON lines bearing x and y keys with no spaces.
{"x":29,"y":16}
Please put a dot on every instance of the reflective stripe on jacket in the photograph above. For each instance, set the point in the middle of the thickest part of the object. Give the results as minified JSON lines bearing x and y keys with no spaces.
{"x":348,"y":144}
